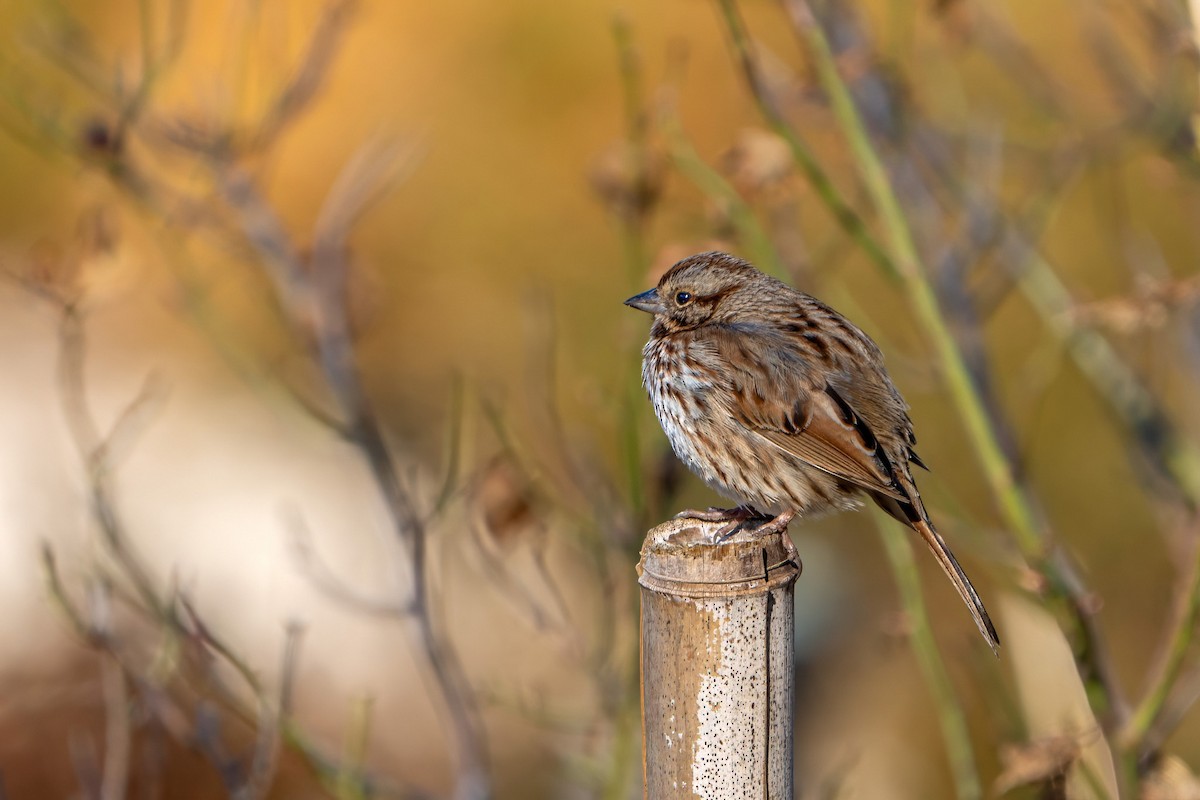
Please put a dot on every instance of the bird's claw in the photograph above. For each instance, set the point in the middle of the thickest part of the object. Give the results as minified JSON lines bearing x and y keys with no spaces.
{"x":711,"y":514}
{"x":768,"y":526}
{"x":737,"y":518}
{"x":714,"y":514}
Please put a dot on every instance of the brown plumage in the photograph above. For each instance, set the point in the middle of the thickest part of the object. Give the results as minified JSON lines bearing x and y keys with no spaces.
{"x":779,"y":402}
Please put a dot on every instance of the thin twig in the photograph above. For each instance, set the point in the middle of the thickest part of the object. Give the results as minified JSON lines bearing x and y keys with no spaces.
{"x":265,"y":763}
{"x":58,"y":593}
{"x":309,"y":76}
{"x":94,"y":451}
{"x":118,"y":735}
{"x":313,"y":297}
{"x":203,"y":144}
{"x":319,"y":573}
{"x":451,"y":480}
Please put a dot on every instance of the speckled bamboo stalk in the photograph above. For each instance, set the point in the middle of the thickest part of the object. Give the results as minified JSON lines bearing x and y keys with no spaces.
{"x":717,"y":670}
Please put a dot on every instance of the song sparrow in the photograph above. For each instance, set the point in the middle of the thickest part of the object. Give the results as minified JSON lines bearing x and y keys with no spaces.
{"x":779,"y":402}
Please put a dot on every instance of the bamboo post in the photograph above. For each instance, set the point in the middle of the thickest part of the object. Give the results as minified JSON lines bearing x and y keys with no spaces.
{"x":717,"y":669}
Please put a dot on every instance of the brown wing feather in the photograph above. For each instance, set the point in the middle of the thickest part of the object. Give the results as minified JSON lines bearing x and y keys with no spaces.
{"x":835,"y":442}
{"x":781,"y":394}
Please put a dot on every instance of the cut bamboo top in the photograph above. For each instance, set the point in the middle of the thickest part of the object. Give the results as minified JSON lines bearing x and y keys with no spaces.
{"x":679,"y":557}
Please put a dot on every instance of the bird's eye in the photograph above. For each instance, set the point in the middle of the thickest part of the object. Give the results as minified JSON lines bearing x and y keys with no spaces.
{"x":683,"y":298}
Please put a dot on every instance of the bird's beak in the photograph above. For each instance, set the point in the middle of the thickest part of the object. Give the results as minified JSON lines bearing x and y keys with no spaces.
{"x":647,"y":301}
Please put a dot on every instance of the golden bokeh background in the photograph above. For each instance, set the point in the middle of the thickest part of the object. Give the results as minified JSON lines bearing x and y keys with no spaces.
{"x":486,"y":287}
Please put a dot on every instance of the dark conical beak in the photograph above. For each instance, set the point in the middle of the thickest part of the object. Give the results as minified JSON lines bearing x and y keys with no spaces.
{"x":647,"y":301}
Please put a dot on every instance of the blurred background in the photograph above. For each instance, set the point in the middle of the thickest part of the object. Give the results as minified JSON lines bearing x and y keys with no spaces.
{"x":326,"y":464}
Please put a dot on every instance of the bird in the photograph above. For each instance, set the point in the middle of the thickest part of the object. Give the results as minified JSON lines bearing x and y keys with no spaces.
{"x":780,"y":403}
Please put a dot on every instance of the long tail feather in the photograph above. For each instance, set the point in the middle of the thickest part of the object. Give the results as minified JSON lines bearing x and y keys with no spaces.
{"x":960,"y":580}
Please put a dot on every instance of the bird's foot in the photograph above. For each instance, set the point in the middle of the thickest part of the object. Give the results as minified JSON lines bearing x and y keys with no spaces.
{"x":735,"y":518}
{"x":714,"y":514}
{"x":776,"y":524}
{"x":767,"y":526}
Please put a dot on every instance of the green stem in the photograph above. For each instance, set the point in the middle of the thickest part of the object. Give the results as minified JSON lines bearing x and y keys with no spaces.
{"x":1151,"y":706}
{"x":757,"y":242}
{"x":347,"y":784}
{"x":1028,"y":529}
{"x":817,"y":178}
{"x":898,"y":546}
{"x":633,"y":245}
{"x":997,"y":470}
{"x":1133,"y":403}
{"x":1098,"y":360}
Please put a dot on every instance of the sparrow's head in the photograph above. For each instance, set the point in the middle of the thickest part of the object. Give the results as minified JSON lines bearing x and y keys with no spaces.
{"x":704,"y":288}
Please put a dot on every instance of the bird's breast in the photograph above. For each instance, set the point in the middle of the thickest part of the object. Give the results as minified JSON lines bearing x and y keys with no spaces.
{"x":672,"y":365}
{"x":682,"y":388}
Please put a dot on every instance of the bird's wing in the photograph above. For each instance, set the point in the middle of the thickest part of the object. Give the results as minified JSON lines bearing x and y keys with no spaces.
{"x":778,"y":395}
{"x":835,"y":440}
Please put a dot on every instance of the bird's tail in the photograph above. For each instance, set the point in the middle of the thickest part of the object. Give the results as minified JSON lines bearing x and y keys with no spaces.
{"x":960,"y":580}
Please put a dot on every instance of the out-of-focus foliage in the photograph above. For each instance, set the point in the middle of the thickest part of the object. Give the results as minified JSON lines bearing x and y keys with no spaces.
{"x":373,"y":255}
